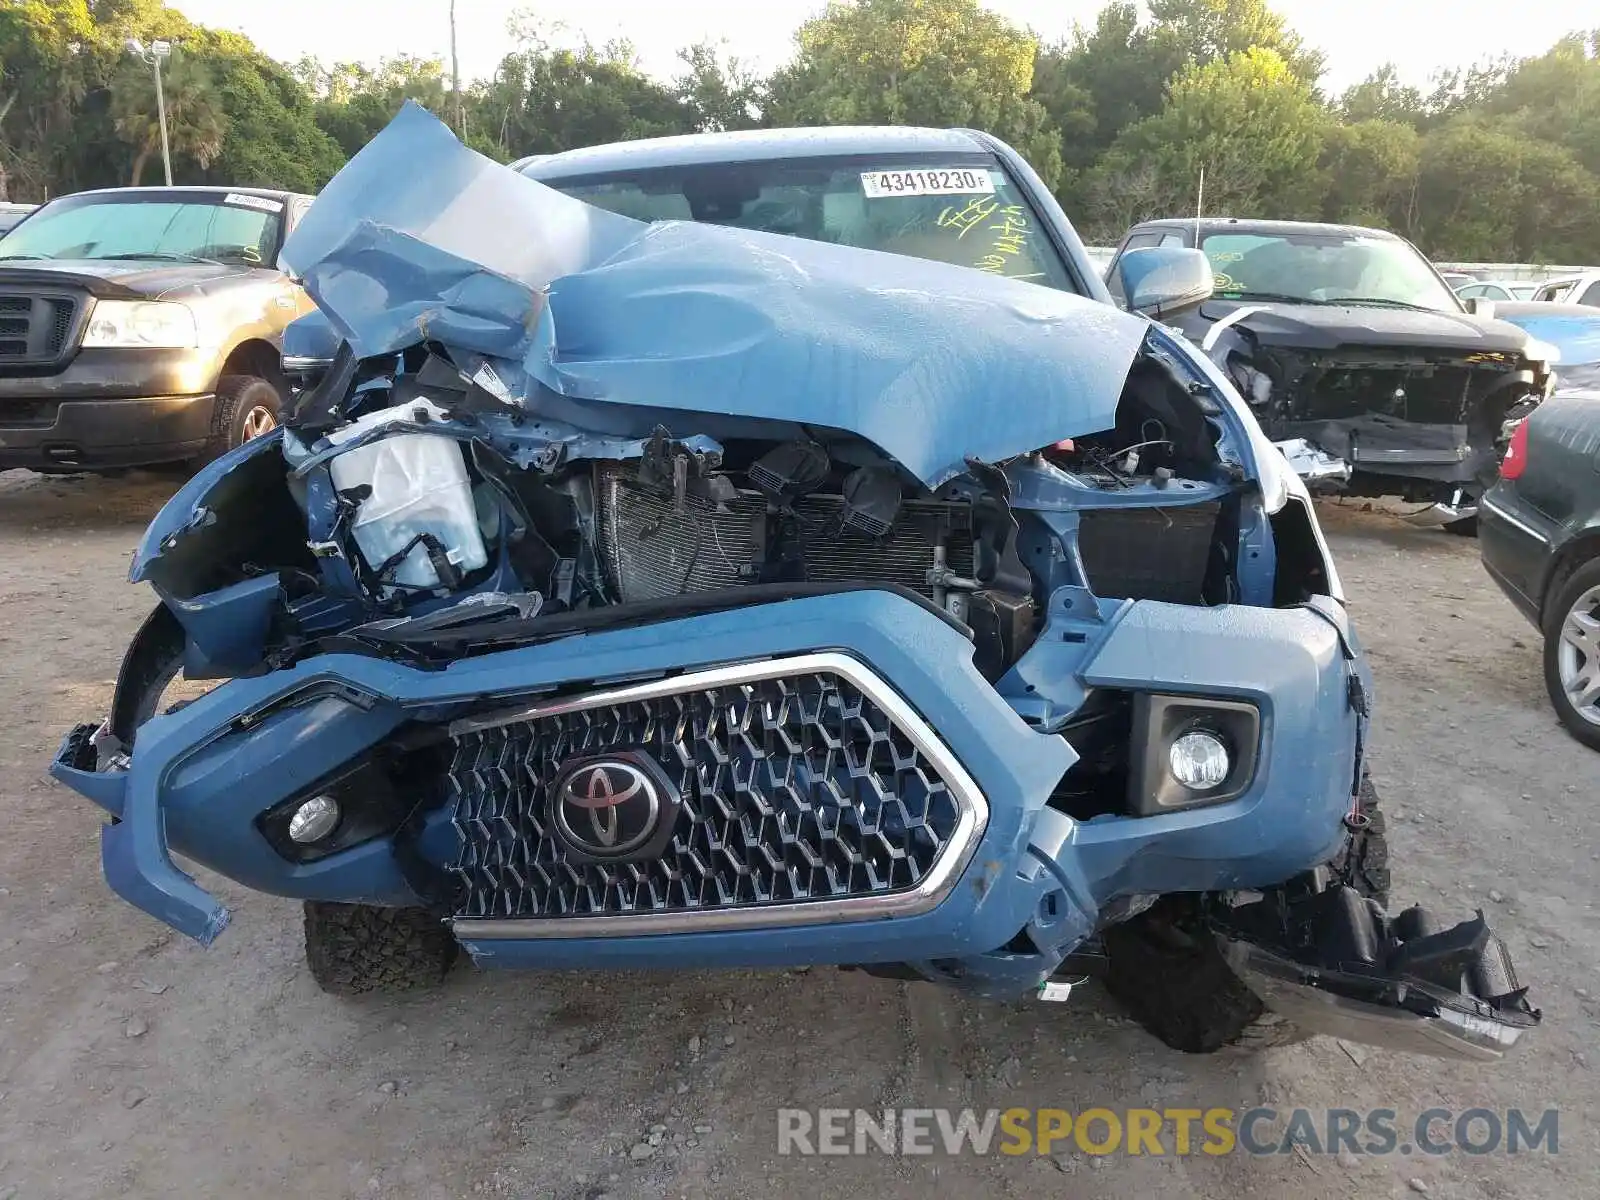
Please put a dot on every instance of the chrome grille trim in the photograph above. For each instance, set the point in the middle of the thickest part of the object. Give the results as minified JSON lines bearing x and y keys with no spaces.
{"x":936,"y":883}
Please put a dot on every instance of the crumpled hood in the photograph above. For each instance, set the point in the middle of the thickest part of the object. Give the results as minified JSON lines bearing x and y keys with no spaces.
{"x":1329,"y":326}
{"x":419,"y":238}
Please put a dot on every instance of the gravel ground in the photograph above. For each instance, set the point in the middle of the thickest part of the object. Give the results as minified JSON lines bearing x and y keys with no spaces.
{"x":132,"y":1063}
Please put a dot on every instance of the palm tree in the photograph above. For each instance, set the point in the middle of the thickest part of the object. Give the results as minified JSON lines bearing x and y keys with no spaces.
{"x":196,"y":123}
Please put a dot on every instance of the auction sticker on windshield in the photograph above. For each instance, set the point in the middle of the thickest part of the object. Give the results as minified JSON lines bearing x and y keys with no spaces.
{"x":262,"y":203}
{"x":955,"y":181}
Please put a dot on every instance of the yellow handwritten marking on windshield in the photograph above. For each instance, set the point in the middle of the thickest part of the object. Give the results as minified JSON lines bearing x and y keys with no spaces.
{"x":976,"y":210}
{"x":1010,"y":240}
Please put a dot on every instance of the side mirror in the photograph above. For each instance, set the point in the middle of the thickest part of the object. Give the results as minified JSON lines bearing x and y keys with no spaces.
{"x":309,"y":345}
{"x":1478,"y":306}
{"x":1163,"y":281}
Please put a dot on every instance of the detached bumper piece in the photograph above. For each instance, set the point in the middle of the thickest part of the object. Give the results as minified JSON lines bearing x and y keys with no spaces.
{"x":1333,"y":963}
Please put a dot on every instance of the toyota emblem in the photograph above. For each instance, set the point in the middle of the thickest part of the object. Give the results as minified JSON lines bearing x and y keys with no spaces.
{"x":613,"y":808}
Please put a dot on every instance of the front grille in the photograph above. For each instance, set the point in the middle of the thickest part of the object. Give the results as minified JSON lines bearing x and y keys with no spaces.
{"x":1148,"y":553}
{"x":802,"y":782}
{"x":652,"y":551}
{"x":34,"y":328}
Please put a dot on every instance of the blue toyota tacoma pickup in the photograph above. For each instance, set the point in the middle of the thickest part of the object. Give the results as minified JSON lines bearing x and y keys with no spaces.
{"x":760,"y":550}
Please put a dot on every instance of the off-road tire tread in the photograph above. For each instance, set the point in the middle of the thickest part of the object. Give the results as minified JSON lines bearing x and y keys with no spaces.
{"x":1187,"y":996}
{"x":1575,"y":584}
{"x":231,"y":391}
{"x":357,"y":949}
{"x":1181,"y":988}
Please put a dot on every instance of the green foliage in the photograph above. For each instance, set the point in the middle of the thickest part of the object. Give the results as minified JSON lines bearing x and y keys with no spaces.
{"x":1485,"y":189}
{"x":918,"y":62}
{"x":719,"y":92}
{"x":1246,"y":126}
{"x":196,"y":123}
{"x":1500,"y":160}
{"x":1369,"y":173}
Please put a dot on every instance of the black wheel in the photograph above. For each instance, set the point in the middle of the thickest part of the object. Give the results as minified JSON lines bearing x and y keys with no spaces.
{"x":247,"y":407}
{"x":354,"y":949}
{"x":1166,"y":968}
{"x":1572,"y":653}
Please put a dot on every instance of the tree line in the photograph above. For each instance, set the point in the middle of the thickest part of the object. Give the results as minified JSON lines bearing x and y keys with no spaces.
{"x":1496,"y":161}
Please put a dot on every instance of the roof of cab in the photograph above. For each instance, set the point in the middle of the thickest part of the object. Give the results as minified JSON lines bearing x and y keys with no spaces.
{"x":753,"y":145}
{"x":192,"y":189}
{"x":1241,"y":224}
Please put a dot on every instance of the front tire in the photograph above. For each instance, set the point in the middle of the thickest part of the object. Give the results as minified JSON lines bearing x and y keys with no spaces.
{"x":1167,"y":970}
{"x":248,"y":407}
{"x":359,"y":949}
{"x":1572,"y":653}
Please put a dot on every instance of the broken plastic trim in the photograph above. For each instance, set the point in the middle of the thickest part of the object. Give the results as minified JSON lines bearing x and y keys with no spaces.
{"x":425,"y":643}
{"x":1332,"y":962}
{"x":1313,"y":464}
{"x":1288,"y":989}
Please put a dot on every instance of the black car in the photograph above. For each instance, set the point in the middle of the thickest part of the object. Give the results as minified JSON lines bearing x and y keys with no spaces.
{"x":1539,"y":533}
{"x":1371,"y":374}
{"x":143,"y":325}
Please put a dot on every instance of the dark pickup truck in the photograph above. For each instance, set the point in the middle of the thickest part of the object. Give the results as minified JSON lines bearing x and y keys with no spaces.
{"x":1369,"y":373}
{"x":143,"y":325}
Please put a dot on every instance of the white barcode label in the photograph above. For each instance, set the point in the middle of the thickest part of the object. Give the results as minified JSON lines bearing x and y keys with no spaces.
{"x":263,"y":203}
{"x":952,"y":181}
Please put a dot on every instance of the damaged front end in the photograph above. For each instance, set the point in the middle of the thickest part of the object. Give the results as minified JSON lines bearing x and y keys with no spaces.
{"x":1409,"y":404}
{"x":1332,"y":962}
{"x":673,"y":595}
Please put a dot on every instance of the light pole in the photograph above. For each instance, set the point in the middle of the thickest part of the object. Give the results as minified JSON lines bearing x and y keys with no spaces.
{"x":155,"y":54}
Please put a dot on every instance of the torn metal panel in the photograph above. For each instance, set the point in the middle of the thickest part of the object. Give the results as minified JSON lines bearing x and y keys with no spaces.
{"x":1313,"y":464}
{"x":932,"y":363}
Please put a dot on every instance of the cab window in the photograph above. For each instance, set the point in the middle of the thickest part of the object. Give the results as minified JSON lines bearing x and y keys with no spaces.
{"x":961,"y":208}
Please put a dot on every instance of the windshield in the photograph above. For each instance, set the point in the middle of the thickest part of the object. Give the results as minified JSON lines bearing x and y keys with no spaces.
{"x":235,"y":229}
{"x":961,"y":209}
{"x":1325,"y":267}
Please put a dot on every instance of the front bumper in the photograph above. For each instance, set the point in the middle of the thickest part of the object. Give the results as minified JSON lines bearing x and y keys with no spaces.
{"x":203,"y":775}
{"x":110,"y":408}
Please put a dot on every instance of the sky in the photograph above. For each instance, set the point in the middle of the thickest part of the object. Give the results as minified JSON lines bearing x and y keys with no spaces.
{"x":1420,"y":36}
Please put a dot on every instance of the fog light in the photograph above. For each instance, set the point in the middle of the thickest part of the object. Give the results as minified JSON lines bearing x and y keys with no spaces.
{"x":1199,"y":760}
{"x":314,"y":820}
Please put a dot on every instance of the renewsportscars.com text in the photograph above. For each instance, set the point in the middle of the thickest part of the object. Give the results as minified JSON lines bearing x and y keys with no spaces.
{"x":1169,"y":1131}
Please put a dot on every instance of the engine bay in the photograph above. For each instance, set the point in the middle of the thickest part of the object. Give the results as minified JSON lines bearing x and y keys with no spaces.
{"x":409,"y":502}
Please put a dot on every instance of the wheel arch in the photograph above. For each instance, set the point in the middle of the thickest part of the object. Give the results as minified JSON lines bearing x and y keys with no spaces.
{"x":258,"y":357}
{"x":1564,"y":564}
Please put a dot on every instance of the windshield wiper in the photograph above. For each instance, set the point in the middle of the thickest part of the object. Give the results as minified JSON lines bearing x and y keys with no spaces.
{"x":163,"y":255}
{"x":1270,"y":297}
{"x":1384,"y":301}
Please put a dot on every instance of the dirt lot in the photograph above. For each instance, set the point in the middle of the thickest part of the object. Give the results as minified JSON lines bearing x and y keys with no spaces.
{"x":133,"y":1063}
